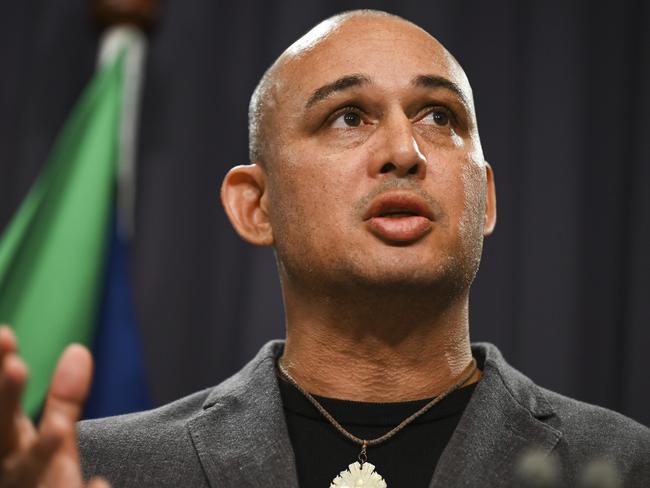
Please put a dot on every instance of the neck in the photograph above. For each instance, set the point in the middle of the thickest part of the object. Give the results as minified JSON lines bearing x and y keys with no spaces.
{"x":376,"y":348}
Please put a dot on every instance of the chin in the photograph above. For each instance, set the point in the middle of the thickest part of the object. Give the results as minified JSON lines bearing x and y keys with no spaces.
{"x":407,"y":273}
{"x":357,"y":268}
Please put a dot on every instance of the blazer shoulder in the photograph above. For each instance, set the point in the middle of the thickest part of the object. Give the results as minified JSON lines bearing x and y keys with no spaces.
{"x":591,"y":432}
{"x":159,"y":447}
{"x":586,"y":433}
{"x":593,"y":421}
{"x":574,"y":418}
{"x":150,"y":448}
{"x":163,"y":419}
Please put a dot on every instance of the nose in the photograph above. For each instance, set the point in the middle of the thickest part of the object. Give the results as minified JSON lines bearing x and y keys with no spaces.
{"x":398,"y":151}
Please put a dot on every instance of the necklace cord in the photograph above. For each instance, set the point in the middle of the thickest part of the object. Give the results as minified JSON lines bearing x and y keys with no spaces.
{"x":469,"y":372}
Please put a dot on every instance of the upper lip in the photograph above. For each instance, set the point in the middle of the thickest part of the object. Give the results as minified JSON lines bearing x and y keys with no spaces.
{"x":391,"y":203}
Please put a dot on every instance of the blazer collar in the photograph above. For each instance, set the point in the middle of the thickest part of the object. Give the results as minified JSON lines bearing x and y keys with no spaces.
{"x":506,"y":416}
{"x":241,"y":436}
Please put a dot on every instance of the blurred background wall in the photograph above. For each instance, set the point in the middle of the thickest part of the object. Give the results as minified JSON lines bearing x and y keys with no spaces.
{"x":563,"y":105}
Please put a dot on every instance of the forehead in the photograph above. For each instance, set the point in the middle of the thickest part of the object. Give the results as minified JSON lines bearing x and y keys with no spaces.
{"x":391,"y":52}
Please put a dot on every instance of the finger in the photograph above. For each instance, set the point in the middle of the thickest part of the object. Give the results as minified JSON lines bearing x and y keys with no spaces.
{"x":68,"y":391}
{"x":26,"y":432}
{"x":98,"y":483}
{"x":26,"y":469}
{"x":7,"y":337}
{"x":7,"y":342}
{"x":70,"y":382}
{"x":13,"y":374}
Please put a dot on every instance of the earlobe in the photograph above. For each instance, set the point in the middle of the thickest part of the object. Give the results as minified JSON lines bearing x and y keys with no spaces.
{"x":490,"y":201}
{"x":243,"y":195}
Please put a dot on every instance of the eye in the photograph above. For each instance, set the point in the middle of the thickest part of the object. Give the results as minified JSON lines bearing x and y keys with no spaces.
{"x":439,"y":116}
{"x":349,"y":118}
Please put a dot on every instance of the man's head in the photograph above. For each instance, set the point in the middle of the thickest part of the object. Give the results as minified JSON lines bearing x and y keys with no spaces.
{"x":368,"y":168}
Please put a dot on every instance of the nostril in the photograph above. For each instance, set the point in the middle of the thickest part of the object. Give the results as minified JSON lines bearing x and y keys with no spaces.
{"x":413,"y":169}
{"x":387,"y":168}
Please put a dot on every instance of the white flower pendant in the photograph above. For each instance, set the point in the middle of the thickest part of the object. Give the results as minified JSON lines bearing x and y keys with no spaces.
{"x":359,"y":476}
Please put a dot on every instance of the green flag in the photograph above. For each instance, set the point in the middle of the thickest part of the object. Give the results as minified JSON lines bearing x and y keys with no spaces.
{"x":52,"y":252}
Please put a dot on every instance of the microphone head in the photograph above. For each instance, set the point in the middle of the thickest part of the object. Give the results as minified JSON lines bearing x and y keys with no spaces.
{"x":600,"y":473}
{"x":537,"y":469}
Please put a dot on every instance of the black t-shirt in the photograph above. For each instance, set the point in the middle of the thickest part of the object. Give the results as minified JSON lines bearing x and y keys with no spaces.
{"x":407,"y":459}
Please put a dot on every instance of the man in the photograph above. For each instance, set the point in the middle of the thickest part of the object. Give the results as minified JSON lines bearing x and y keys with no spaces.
{"x":370,"y":183}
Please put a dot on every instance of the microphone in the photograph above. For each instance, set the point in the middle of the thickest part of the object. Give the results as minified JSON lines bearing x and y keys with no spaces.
{"x":536,"y":469}
{"x":600,"y":473}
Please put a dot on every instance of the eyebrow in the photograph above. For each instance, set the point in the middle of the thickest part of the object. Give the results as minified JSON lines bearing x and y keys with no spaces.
{"x":353,"y":81}
{"x":344,"y":83}
{"x":433,"y":81}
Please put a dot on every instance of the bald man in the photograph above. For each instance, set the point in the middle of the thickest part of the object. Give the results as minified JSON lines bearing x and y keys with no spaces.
{"x":369,"y":181}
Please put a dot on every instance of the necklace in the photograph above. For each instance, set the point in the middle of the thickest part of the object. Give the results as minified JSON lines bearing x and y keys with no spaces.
{"x":361,"y":473}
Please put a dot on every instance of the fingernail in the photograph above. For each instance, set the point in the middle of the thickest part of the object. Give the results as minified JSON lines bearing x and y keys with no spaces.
{"x":15,"y":363}
{"x":6,"y":333}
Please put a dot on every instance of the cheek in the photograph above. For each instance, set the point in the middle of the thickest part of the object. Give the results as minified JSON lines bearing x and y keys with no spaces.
{"x":313,"y":182}
{"x":460,"y":183}
{"x":288,"y":205}
{"x":305,"y":206}
{"x":473,"y":217}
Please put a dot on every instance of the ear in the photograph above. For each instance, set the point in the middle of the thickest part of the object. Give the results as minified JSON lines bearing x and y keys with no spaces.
{"x":490,"y":202}
{"x":244,"y":197}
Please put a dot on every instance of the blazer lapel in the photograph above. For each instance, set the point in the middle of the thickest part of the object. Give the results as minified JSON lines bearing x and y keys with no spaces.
{"x":504,"y":418}
{"x":241,"y":436}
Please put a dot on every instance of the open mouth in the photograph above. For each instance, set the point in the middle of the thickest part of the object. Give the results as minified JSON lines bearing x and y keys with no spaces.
{"x":399,"y":218}
{"x":398,"y":205}
{"x":396,"y":214}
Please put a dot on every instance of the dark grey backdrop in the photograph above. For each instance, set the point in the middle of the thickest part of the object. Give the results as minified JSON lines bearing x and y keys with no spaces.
{"x":564,"y":110}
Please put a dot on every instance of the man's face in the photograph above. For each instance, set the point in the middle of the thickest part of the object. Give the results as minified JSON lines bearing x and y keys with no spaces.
{"x":375,"y":170}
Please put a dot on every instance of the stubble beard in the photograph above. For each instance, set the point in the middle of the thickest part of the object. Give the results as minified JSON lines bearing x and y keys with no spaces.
{"x":352,"y":278}
{"x":318,"y":269}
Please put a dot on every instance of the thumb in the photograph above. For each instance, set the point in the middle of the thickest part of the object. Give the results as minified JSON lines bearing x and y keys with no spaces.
{"x":71,"y":382}
{"x":68,"y":391}
{"x":98,"y":483}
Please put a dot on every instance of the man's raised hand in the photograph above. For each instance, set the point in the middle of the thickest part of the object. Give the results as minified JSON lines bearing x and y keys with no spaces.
{"x":47,"y":456}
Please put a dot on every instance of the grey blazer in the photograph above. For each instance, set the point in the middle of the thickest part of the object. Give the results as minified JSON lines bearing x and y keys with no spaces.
{"x":234,"y":435}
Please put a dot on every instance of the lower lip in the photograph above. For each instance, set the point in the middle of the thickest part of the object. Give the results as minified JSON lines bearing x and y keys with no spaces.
{"x":400,"y":229}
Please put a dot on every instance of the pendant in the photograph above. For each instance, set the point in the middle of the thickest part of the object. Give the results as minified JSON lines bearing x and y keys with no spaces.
{"x":359,"y":476}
